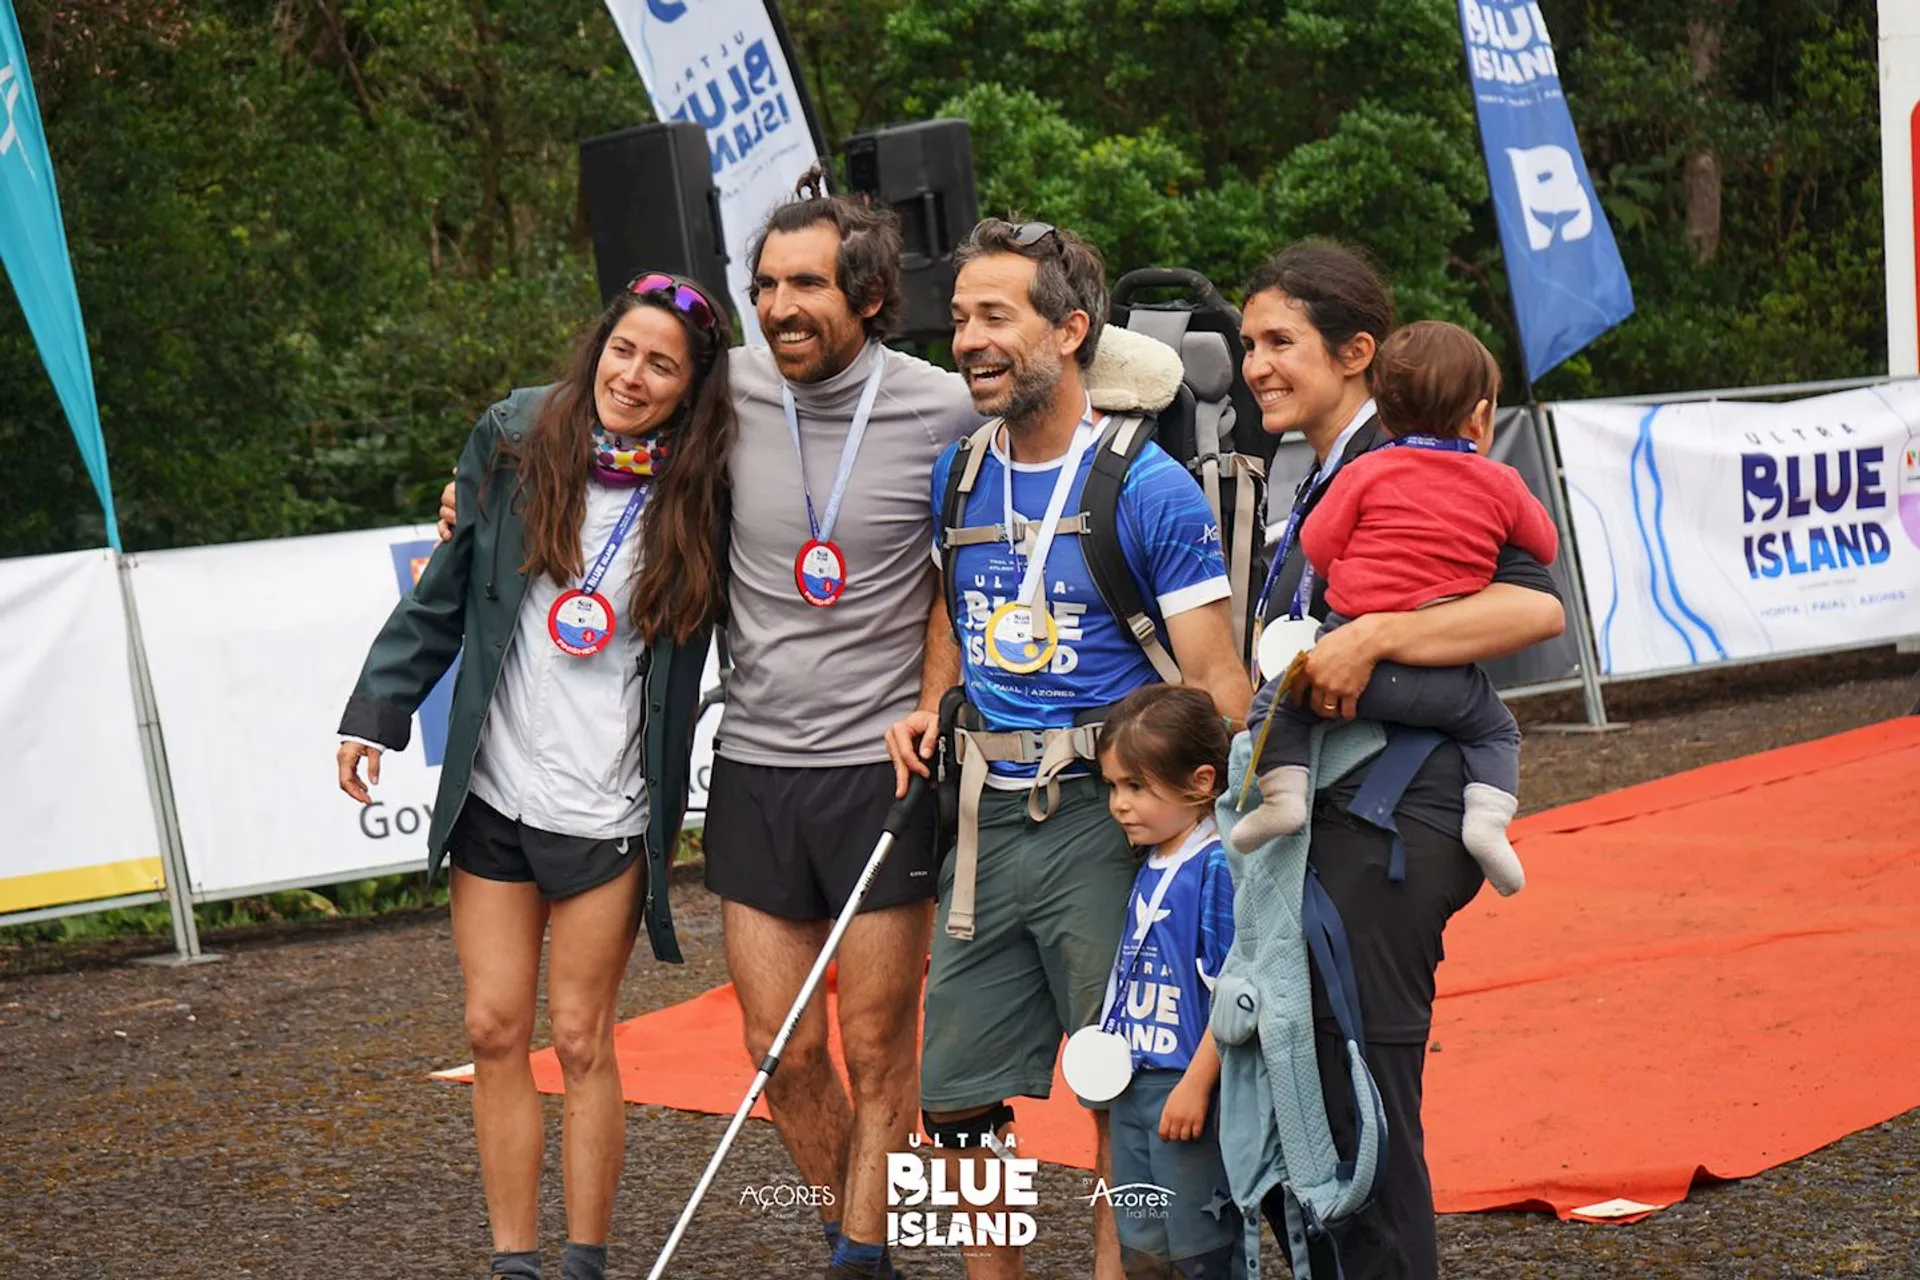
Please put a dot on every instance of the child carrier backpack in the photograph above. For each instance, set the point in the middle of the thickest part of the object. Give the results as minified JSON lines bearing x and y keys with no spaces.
{"x":1212,"y":427}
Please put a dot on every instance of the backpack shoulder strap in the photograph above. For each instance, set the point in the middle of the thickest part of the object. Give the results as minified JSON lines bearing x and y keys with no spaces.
{"x":1120,"y":443}
{"x":961,"y":477}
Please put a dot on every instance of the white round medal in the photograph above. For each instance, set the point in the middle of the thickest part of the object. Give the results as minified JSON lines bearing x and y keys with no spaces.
{"x":1097,"y":1064}
{"x":1281,"y":641}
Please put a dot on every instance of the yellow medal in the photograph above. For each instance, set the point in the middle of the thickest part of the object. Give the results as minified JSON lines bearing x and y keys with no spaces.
{"x":1020,"y":638}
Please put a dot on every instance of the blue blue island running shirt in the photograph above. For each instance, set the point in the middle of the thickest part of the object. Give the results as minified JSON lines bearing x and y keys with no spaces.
{"x":1170,"y":541}
{"x":1167,"y":998}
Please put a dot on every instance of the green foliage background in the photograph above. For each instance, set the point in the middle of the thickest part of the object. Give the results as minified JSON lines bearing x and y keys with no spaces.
{"x":313,"y":238}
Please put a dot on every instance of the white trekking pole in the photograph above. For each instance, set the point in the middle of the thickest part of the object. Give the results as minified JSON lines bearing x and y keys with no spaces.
{"x":895,"y":823}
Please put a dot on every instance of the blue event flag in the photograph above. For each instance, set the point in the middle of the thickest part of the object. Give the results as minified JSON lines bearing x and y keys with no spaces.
{"x":33,"y":251}
{"x":1563,"y":267}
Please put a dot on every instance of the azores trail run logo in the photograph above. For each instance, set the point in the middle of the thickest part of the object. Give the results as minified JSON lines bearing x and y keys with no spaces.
{"x":409,"y":562}
{"x":1132,"y":1199}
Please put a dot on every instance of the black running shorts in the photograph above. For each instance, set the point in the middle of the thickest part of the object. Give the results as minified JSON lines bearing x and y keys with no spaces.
{"x":488,"y":844}
{"x":792,"y":842}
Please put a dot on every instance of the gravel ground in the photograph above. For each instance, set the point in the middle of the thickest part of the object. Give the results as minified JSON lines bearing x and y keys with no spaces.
{"x":268,"y":1116}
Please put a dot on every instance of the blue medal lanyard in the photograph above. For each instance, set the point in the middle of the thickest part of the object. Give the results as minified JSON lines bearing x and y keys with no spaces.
{"x":1303,"y":592}
{"x":823,"y":529}
{"x":1033,"y":578}
{"x":1136,"y":936}
{"x":1312,"y":485}
{"x":1439,"y":444}
{"x":590,"y":585}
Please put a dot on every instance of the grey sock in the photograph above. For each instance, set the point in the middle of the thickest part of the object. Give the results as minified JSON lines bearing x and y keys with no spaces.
{"x":517,"y":1266}
{"x":1483,"y":829}
{"x":583,"y":1262}
{"x":1282,"y":811}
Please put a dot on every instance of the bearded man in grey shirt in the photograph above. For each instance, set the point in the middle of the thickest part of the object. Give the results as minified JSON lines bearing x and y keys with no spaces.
{"x":829,"y":650}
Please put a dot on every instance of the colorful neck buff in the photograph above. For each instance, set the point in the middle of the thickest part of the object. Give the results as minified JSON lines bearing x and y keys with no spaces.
{"x":623,"y":462}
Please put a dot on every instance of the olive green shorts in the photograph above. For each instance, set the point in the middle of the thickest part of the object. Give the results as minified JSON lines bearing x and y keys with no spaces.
{"x":1050,"y":904}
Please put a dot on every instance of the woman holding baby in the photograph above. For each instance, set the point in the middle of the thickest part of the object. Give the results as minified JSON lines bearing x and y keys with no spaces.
{"x":1431,"y":561}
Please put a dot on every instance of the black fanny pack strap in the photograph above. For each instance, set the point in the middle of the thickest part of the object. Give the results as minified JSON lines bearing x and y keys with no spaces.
{"x":1125,"y":436}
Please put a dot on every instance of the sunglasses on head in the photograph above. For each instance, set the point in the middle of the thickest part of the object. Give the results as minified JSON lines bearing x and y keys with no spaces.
{"x":683,"y":297}
{"x":1028,"y":234}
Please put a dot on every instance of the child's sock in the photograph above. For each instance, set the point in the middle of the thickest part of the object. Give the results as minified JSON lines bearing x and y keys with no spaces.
{"x":583,"y":1262}
{"x":1484,"y":831}
{"x":832,"y":1232}
{"x":516,"y":1266}
{"x":1282,"y":811}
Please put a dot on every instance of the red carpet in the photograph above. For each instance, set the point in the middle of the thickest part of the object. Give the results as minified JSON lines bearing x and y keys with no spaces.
{"x":1706,"y":975}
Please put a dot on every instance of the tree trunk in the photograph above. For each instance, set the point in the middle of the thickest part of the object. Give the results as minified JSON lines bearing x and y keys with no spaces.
{"x":1702,"y":175}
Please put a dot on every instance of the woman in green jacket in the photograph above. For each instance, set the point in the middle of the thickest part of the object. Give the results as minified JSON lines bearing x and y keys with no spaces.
{"x":582,"y":596}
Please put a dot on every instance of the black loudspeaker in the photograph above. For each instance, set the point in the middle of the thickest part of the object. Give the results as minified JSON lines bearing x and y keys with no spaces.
{"x":924,"y":173}
{"x":651,"y":206}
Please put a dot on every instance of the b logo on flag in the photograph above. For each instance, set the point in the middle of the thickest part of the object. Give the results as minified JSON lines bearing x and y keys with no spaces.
{"x":1551,"y":195}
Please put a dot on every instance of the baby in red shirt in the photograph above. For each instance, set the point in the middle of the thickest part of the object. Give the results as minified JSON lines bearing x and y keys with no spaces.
{"x":1419,"y":520}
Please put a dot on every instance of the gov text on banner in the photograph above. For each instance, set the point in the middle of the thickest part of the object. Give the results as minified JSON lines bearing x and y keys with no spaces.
{"x":1719,"y":530}
{"x":1564,"y":270}
{"x":33,"y":249}
{"x":720,"y":64}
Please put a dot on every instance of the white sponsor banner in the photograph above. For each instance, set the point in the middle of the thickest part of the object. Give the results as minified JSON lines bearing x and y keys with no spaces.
{"x":254,"y":648}
{"x":1900,"y":163}
{"x":76,"y":818}
{"x":1721,"y":530}
{"x":718,"y":64}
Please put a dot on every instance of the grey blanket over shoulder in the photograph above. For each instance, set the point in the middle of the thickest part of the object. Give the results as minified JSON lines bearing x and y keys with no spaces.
{"x":1273,"y":1120}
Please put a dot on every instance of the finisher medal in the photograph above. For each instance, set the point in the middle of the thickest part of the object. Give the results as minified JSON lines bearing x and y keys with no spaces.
{"x":1019,"y":639}
{"x":820,"y":571}
{"x":580,"y":623}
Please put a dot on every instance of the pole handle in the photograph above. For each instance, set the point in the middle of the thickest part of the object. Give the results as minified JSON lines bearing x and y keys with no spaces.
{"x":903,"y":807}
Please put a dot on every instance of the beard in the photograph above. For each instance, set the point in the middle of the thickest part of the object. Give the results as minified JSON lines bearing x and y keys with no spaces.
{"x":834,"y":347}
{"x":1031,"y":380}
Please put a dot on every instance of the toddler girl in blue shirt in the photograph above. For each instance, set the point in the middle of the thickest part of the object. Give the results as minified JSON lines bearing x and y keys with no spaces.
{"x":1164,"y":750}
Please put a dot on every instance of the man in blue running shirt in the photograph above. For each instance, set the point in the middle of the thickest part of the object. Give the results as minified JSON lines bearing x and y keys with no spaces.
{"x":1031,"y":907}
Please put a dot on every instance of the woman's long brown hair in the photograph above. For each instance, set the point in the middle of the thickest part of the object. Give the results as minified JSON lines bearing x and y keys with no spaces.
{"x":677,"y":587}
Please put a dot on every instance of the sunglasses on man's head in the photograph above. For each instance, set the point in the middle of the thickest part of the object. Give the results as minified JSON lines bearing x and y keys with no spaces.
{"x":1028,"y":234}
{"x":682,"y":296}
